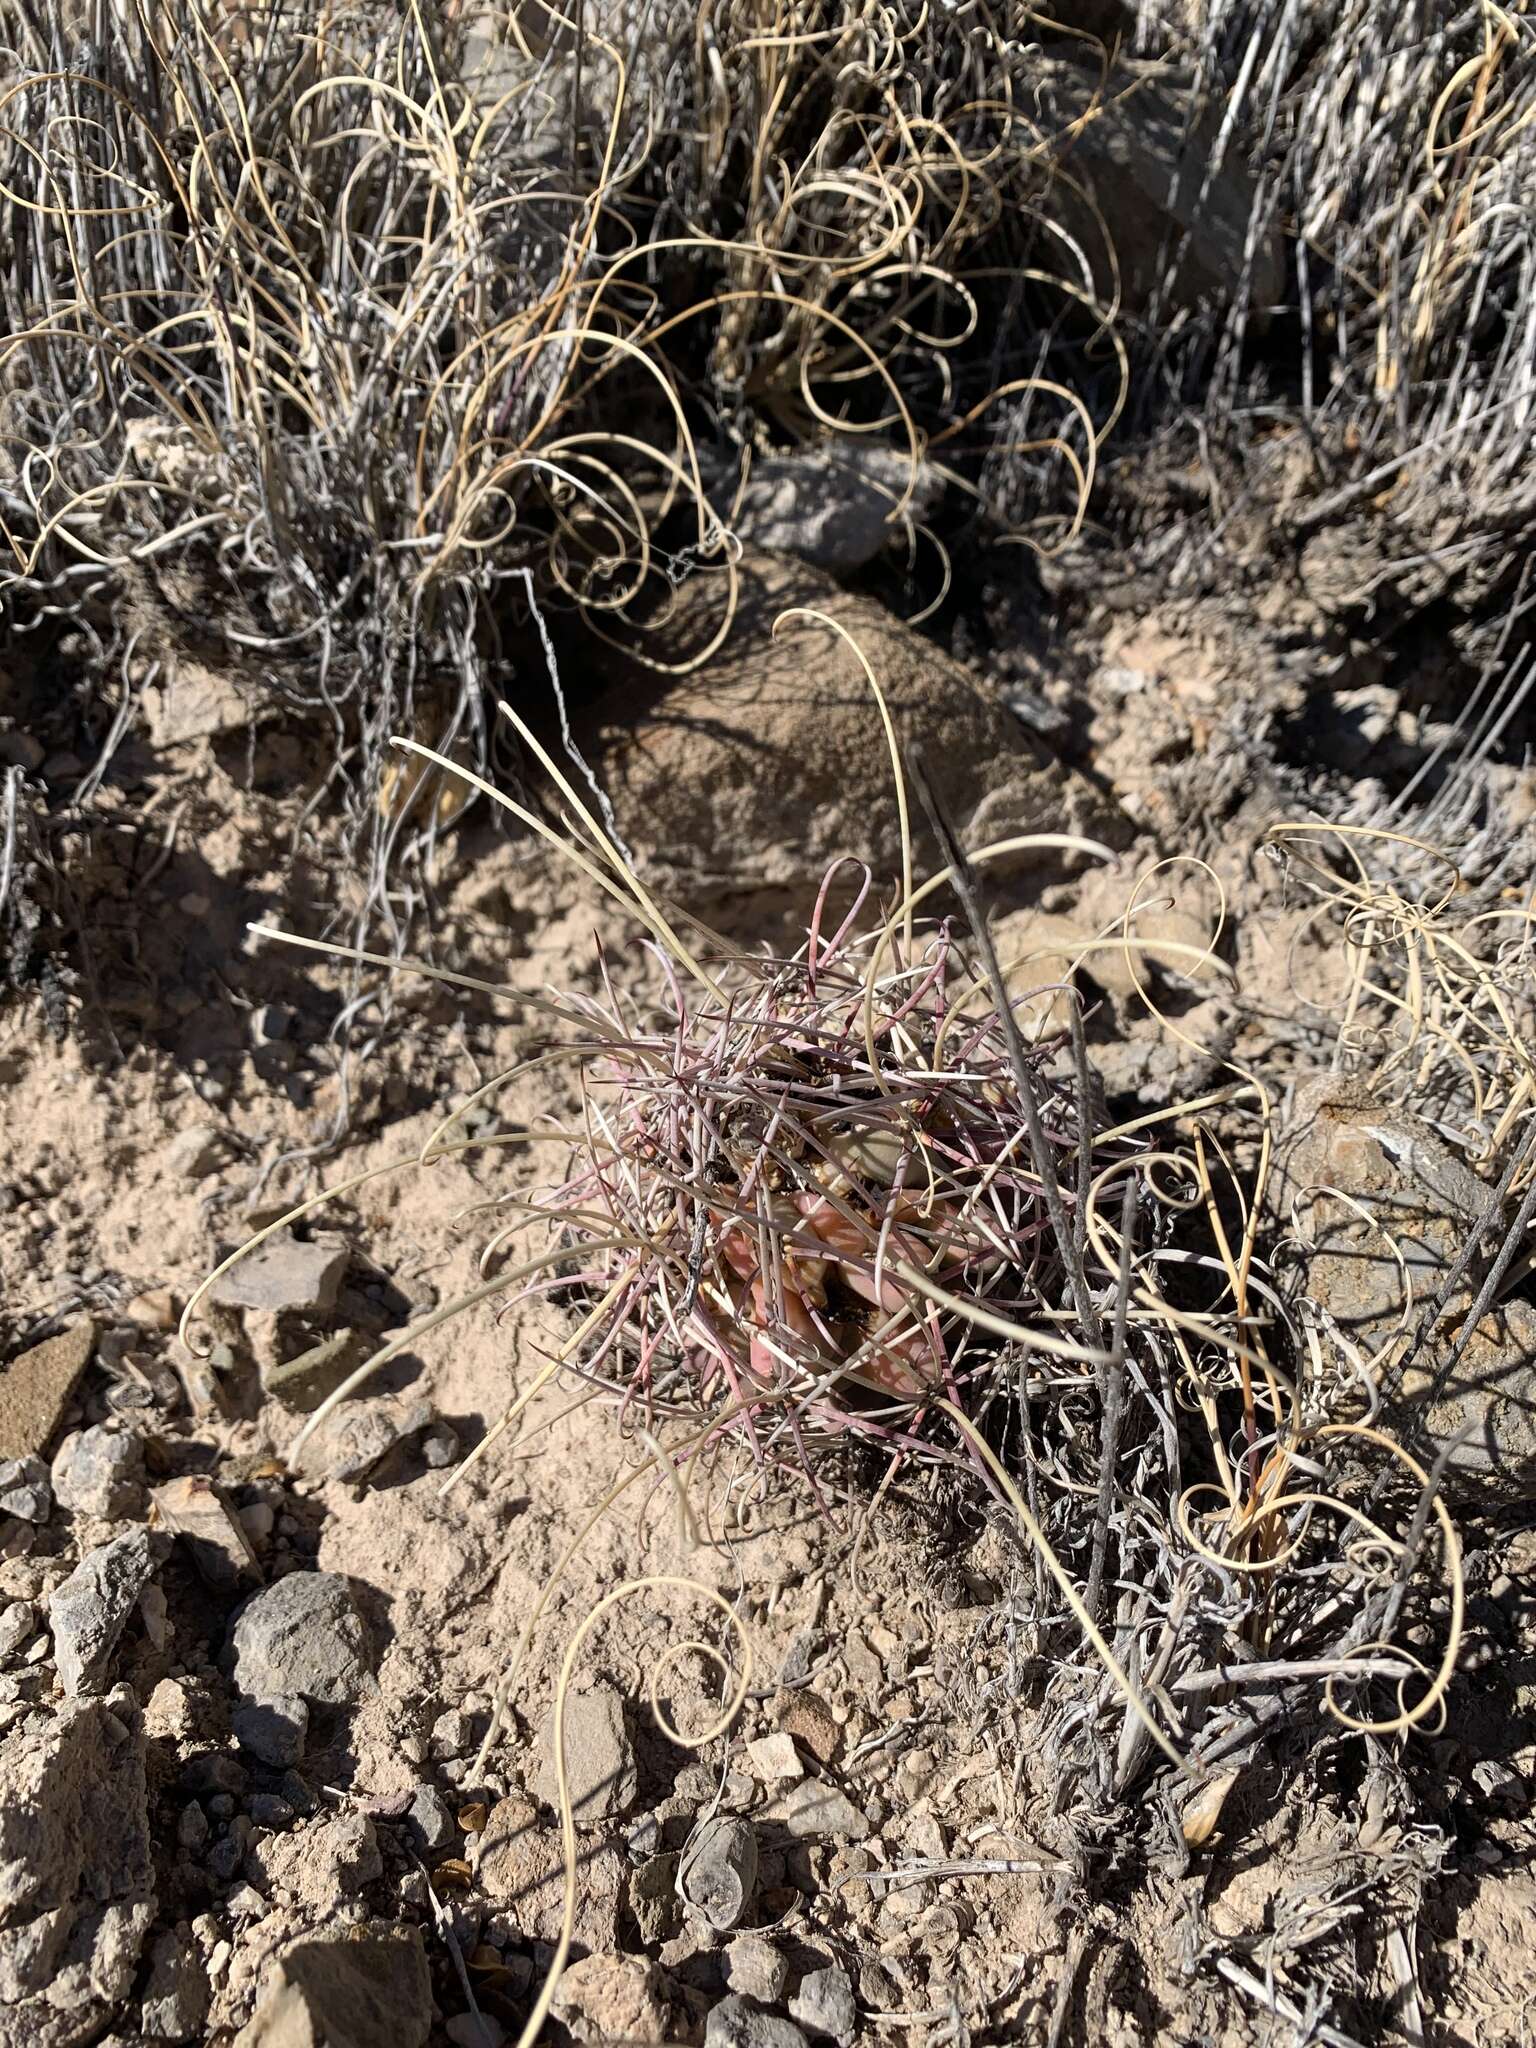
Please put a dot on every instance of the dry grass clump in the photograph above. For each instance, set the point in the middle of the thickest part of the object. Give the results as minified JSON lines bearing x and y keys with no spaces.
{"x":1398,"y":146}
{"x":337,"y":338}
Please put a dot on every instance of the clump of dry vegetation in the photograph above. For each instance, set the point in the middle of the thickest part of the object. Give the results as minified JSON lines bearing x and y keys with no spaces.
{"x":340,"y":339}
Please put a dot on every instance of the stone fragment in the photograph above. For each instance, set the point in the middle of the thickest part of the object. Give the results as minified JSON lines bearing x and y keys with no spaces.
{"x":24,"y":1489}
{"x":89,"y":1611}
{"x":323,"y":1864}
{"x":283,"y":1273}
{"x":273,"y":1730}
{"x":832,"y":508}
{"x":653,"y":1899}
{"x":824,"y":2003}
{"x":18,"y":1625}
{"x":346,"y":1993}
{"x":775,"y":1756}
{"x":811,"y":1808}
{"x":304,"y":1635}
{"x":76,"y":1896}
{"x":755,"y":1968}
{"x":193,"y":1154}
{"x":599,"y":1758}
{"x":100,"y":1472}
{"x":736,"y":2023}
{"x":717,"y":1872}
{"x":603,"y":1999}
{"x":35,"y":1390}
{"x":195,"y":1512}
{"x":429,"y":1822}
{"x":520,"y":1868}
{"x":175,"y":2003}
{"x":361,"y":1435}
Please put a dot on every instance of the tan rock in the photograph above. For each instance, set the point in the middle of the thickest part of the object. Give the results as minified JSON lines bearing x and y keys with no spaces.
{"x":520,"y":1868}
{"x":611,"y":1998}
{"x":771,"y":761}
{"x":35,"y":1390}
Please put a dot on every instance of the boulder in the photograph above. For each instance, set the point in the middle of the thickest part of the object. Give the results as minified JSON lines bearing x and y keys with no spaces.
{"x":771,"y":761}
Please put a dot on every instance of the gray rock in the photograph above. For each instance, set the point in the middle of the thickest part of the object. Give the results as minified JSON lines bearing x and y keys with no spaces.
{"x":346,"y":1994}
{"x":89,"y":1611}
{"x":453,"y":1734}
{"x":18,"y":1625}
{"x":833,"y":507}
{"x":226,"y":1858}
{"x":193,"y":1154}
{"x":361,"y":1435}
{"x":192,"y":1827}
{"x":755,"y":1968}
{"x":824,"y":2003}
{"x":717,"y":1873}
{"x":653,"y":1899}
{"x":273,"y":1730}
{"x":475,"y":2030}
{"x":102,"y":1954}
{"x":439,"y":1446}
{"x":75,"y":1874}
{"x":599,"y":1759}
{"x":100,"y":1472}
{"x":736,"y":2023}
{"x":305,"y":1636}
{"x":811,"y":1808}
{"x":429,"y":1821}
{"x":24,"y":1489}
{"x":177,"y":1994}
{"x":268,"y":1811}
{"x":282,"y":1273}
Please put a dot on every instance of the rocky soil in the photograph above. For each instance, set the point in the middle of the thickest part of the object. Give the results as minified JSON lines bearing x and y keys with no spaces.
{"x":243,"y":1694}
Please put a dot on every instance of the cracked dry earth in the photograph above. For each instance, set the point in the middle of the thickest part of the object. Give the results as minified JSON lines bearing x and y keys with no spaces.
{"x":241,"y":1697}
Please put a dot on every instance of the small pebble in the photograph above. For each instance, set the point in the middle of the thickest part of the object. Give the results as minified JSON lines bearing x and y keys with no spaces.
{"x":755,"y":1968}
{"x":824,"y":2003}
{"x":18,"y":1623}
{"x":192,"y":1826}
{"x":471,"y":2030}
